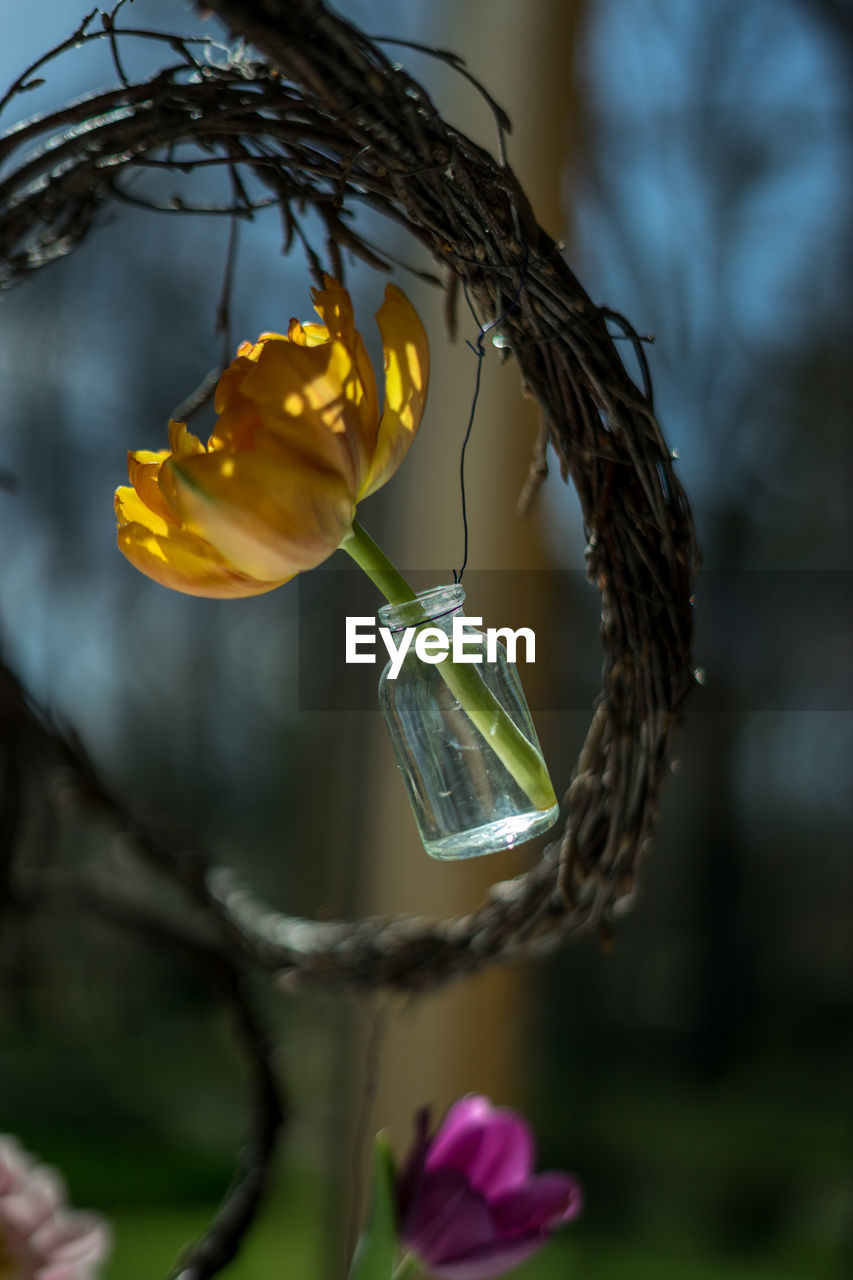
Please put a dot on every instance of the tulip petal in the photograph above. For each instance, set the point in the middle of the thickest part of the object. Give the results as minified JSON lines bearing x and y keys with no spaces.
{"x":143,"y":469}
{"x":406,"y":348}
{"x":334,"y":306}
{"x":33,"y":1203}
{"x":182,"y":442}
{"x":473,"y":1109}
{"x":231,"y":379}
{"x":14,"y":1164}
{"x":490,"y":1261}
{"x":315,"y":399}
{"x":493,"y":1146}
{"x":448,"y":1219}
{"x":130,"y":509}
{"x":307,"y":335}
{"x":270,"y":517}
{"x":175,"y":558}
{"x":39,"y":1238}
{"x":539,"y":1205}
{"x":73,"y":1243}
{"x":506,"y":1154}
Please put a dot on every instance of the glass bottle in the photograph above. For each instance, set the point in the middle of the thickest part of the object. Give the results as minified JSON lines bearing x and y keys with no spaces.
{"x":465,"y":800}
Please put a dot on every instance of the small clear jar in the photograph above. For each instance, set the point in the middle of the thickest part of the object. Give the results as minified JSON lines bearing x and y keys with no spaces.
{"x":465,"y":800}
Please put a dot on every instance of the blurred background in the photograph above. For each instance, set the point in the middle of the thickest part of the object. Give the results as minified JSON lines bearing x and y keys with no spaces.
{"x":695,"y":160}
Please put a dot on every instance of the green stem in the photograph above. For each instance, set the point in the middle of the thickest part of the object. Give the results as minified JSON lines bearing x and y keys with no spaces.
{"x":464,"y":681}
{"x":373,"y":560}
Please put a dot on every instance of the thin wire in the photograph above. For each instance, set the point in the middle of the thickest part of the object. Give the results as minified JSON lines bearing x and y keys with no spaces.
{"x":480,"y":352}
{"x":222,"y":323}
{"x":433,"y":617}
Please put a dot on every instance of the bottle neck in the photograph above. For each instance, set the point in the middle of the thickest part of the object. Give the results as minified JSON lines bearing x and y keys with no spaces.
{"x":436,"y":607}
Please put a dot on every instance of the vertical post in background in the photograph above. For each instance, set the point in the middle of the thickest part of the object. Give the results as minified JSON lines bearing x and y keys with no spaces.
{"x":471,"y":1035}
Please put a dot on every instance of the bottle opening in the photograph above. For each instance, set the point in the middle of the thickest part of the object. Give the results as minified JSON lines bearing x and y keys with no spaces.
{"x":429,"y":606}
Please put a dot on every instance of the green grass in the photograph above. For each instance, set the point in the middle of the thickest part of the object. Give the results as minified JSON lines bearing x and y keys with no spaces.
{"x":641,"y":1258}
{"x":286,"y":1245}
{"x":285,"y":1242}
{"x":147,"y":1243}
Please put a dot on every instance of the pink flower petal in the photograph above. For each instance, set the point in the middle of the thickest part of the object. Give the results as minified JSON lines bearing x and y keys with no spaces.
{"x":62,"y":1266}
{"x":34,"y":1201}
{"x":473,"y":1109}
{"x":493,"y":1145}
{"x":544,"y":1202}
{"x":448,"y":1219}
{"x":42,"y":1239}
{"x":492,"y":1260}
{"x":73,"y":1238}
{"x":506,"y":1155}
{"x":14,"y":1165}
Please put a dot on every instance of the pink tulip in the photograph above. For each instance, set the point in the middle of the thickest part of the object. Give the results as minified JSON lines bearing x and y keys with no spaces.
{"x":39,"y":1238}
{"x":469,"y":1205}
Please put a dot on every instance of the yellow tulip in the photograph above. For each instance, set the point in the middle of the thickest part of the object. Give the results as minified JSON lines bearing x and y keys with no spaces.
{"x":298,"y":443}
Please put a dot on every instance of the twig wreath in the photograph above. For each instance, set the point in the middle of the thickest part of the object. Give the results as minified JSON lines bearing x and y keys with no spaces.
{"x":311,"y":113}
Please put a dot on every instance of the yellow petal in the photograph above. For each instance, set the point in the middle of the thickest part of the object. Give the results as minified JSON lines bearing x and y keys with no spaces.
{"x":311,"y":335}
{"x":307,"y":335}
{"x":318,"y":392}
{"x":228,"y":386}
{"x":251,"y":350}
{"x":176,"y":558}
{"x":334,"y":306}
{"x":130,"y":509}
{"x":147,"y":456}
{"x":292,"y":432}
{"x":231,"y":379}
{"x":182,"y":442}
{"x":143,"y":468}
{"x":293,"y":441}
{"x":235,"y":426}
{"x":269,"y":517}
{"x":406,"y":348}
